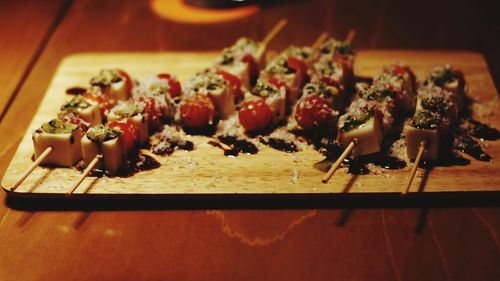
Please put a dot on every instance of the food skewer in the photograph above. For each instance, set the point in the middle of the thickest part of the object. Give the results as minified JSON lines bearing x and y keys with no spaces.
{"x":439,"y":103}
{"x":273,"y":32}
{"x":413,"y":172}
{"x":30,"y":169}
{"x":339,"y":161}
{"x":85,"y":173}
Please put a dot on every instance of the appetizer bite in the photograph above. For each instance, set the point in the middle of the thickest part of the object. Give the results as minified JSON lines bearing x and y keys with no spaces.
{"x":64,"y":137}
{"x":114,"y":83}
{"x":133,"y":111}
{"x":401,"y":81}
{"x":84,"y":108}
{"x":105,"y":141}
{"x":319,"y":107}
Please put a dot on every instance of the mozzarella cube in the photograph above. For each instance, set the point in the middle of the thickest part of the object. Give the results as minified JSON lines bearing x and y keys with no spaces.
{"x":277,"y":103}
{"x":223,"y":99}
{"x":369,"y":138}
{"x":111,"y":151}
{"x":66,"y":148}
{"x":435,"y":138}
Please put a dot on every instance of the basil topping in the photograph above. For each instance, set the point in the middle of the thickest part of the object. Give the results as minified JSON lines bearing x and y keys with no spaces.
{"x":265,"y":89}
{"x":376,"y":94}
{"x":440,"y":76}
{"x":101,"y":133}
{"x":128,"y":109}
{"x":354,"y":120}
{"x":106,"y":77}
{"x":335,"y":47}
{"x":280,"y":66}
{"x":434,"y":103}
{"x":75,"y":104}
{"x":426,"y":119}
{"x":317,"y":88}
{"x":56,"y":126}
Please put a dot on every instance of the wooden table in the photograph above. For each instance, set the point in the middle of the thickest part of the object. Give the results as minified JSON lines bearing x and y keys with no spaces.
{"x":241,"y":240}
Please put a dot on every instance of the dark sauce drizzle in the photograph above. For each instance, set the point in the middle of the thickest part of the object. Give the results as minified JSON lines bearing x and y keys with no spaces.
{"x":76,"y":91}
{"x":280,"y":144}
{"x":237,"y":145}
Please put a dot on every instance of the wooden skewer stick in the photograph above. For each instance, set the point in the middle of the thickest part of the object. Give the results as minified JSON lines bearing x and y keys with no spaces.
{"x":321,"y":38}
{"x":339,"y":161}
{"x":85,"y":173}
{"x":350,"y":36}
{"x":274,"y":31}
{"x":421,"y":150}
{"x":37,"y":162}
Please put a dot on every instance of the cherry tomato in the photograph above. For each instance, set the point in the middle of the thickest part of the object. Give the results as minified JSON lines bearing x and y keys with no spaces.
{"x":252,"y":66}
{"x":313,"y":112}
{"x":129,"y":132}
{"x":197,"y":112}
{"x":174,"y":86}
{"x":128,"y":82}
{"x":234,"y":83}
{"x":151,"y":110}
{"x":73,"y":119}
{"x":329,"y":81}
{"x":255,"y":115}
{"x":299,"y":66}
{"x":104,"y":104}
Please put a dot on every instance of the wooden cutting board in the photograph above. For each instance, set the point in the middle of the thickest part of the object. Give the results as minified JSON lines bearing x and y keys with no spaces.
{"x":207,"y":171}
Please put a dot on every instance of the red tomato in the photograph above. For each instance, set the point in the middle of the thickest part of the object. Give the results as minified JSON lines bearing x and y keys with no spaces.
{"x":73,"y":119}
{"x":104,"y":104}
{"x":255,"y":115}
{"x":151,"y":110}
{"x":128,"y":82}
{"x":129,"y":132}
{"x":398,"y":70}
{"x":346,"y":68}
{"x":197,"y":112}
{"x":299,"y":66}
{"x":174,"y":86}
{"x":313,"y":112}
{"x":329,"y":81}
{"x":252,"y":66}
{"x":234,"y":83}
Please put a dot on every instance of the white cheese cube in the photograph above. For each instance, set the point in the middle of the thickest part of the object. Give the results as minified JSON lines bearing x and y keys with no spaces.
{"x":223,"y":99}
{"x":369,"y":136}
{"x":66,"y":148}
{"x":436,"y":142}
{"x":277,"y":103}
{"x":111,"y":151}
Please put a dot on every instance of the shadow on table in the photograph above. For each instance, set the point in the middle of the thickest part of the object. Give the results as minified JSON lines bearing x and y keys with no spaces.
{"x":254,"y":201}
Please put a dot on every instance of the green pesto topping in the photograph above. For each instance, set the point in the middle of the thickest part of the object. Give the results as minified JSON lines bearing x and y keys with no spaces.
{"x":335,"y":47}
{"x":426,"y":119}
{"x":354,"y":120}
{"x":317,"y":88}
{"x":106,"y":77}
{"x":434,"y":103}
{"x":101,"y":133}
{"x":376,"y":94}
{"x":265,"y":89}
{"x":56,"y":126}
{"x":279,"y":66}
{"x":440,"y":76}
{"x":209,"y":81}
{"x":75,"y":104}
{"x":297,"y":52}
{"x":128,"y":109}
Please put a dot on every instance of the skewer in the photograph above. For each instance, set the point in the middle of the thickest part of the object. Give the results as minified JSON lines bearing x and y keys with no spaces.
{"x":30,"y":169}
{"x":339,"y":161}
{"x":421,"y":150}
{"x":85,"y":173}
{"x":350,"y":36}
{"x":321,"y":38}
{"x":274,"y":31}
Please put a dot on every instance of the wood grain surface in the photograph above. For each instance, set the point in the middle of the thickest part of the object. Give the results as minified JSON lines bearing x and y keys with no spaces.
{"x":207,"y":171}
{"x":174,"y":240}
{"x":22,"y":41}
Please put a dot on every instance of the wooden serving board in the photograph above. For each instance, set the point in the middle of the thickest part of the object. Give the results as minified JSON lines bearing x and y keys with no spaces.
{"x":207,"y":171}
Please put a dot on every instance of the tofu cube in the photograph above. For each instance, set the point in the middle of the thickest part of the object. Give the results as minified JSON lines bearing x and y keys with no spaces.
{"x":112,"y":152}
{"x":369,"y":136}
{"x":66,"y":148}
{"x":436,"y":142}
